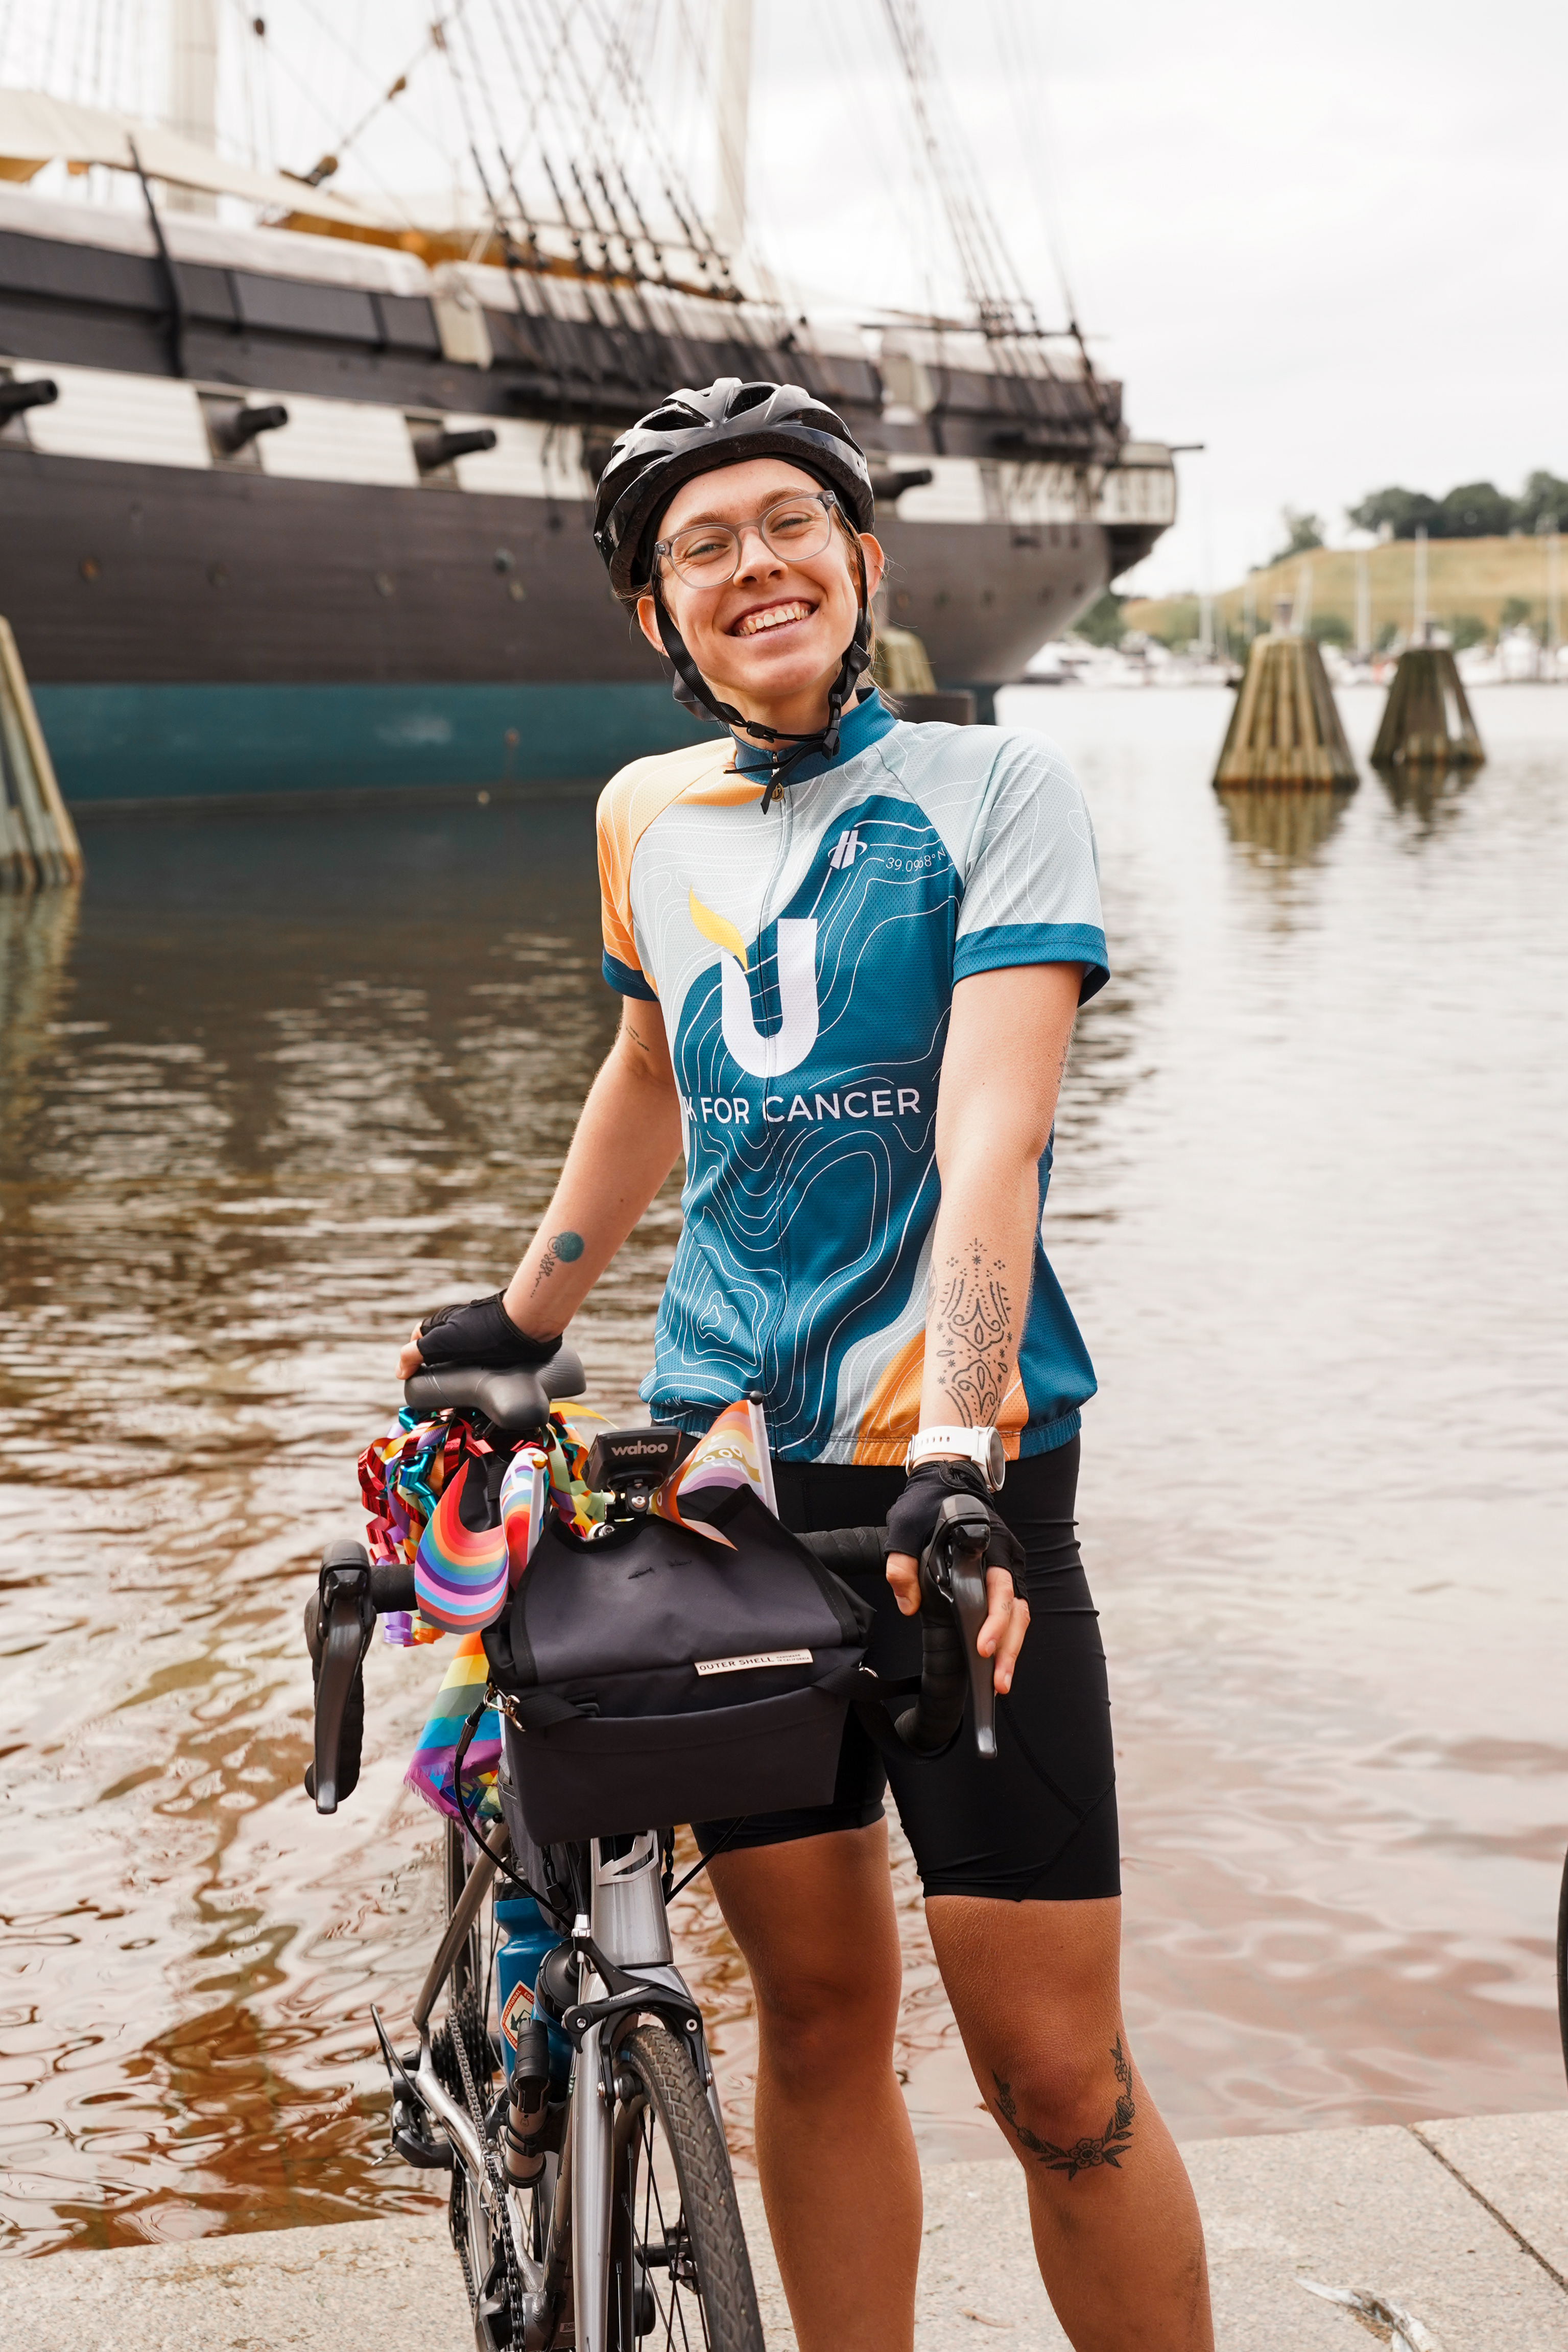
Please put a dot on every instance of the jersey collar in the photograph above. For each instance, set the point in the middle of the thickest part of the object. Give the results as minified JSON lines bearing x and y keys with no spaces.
{"x":858,"y":730}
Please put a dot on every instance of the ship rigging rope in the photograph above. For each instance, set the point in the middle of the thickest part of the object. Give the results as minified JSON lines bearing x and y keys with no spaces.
{"x":983,"y":254}
{"x":541,"y":55}
{"x":1021,"y":70}
{"x":634,"y":99}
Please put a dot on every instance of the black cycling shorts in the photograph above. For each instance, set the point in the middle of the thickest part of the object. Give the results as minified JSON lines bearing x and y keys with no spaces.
{"x":1038,"y":1823}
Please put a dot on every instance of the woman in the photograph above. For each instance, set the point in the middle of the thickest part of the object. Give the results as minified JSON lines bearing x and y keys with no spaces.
{"x":816,"y":924}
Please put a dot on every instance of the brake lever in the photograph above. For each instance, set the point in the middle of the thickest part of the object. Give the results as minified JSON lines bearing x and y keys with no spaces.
{"x":958,"y":1572}
{"x":345,"y":1619}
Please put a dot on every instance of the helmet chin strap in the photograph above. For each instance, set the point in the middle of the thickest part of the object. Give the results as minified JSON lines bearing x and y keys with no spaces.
{"x":693,"y":689}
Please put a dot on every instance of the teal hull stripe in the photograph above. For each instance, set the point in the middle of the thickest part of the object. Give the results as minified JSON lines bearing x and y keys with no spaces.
{"x":202,"y":742}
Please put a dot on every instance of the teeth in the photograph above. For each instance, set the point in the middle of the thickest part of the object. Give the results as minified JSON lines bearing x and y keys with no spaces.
{"x":774,"y":617}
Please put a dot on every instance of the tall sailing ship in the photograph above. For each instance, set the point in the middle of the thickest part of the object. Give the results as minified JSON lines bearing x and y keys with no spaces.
{"x":298,"y":498}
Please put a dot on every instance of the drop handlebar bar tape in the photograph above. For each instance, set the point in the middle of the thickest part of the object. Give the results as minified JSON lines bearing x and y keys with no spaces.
{"x":911,"y":1522}
{"x":481,"y":1334}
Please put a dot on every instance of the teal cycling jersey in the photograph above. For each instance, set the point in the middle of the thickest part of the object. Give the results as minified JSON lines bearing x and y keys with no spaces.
{"x":803,"y":959}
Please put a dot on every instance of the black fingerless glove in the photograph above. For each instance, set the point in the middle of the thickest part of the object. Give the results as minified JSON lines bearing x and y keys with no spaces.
{"x":911,"y":1522}
{"x":481,"y":1334}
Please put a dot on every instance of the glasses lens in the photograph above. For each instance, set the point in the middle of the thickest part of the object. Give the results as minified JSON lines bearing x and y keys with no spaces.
{"x":706,"y":555}
{"x":797,"y":527}
{"x":709,"y":554}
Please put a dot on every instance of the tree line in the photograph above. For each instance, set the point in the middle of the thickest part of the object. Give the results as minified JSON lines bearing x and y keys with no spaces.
{"x":1472,"y":510}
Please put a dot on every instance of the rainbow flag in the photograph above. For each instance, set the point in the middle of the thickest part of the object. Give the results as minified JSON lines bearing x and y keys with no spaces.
{"x":733,"y":1453}
{"x":430,"y":1773}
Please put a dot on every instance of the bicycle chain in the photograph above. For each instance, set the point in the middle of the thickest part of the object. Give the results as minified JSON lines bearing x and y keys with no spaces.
{"x":511,"y":2275}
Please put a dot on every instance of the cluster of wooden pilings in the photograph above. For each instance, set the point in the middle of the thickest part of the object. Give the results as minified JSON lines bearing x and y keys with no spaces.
{"x":39,"y":845}
{"x":1285,"y":732}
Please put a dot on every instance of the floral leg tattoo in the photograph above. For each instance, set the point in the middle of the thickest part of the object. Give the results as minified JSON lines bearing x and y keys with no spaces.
{"x":1084,"y":2154}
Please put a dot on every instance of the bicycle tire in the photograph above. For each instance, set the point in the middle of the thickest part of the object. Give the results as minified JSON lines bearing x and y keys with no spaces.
{"x":1562,"y":1965}
{"x":701,"y":2255}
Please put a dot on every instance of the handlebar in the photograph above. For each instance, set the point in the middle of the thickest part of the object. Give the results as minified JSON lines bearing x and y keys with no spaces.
{"x":953,"y":1610}
{"x":353,"y":1590}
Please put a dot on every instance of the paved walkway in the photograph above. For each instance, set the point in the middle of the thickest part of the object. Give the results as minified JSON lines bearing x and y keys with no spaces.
{"x":1463,"y":2226}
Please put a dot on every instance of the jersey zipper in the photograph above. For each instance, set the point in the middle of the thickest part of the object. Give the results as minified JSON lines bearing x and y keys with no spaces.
{"x":771,"y":1010}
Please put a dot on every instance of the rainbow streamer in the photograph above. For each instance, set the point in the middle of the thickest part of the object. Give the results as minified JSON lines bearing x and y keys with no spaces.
{"x":524,"y":1491}
{"x":460,"y":1573}
{"x":430,"y":1774}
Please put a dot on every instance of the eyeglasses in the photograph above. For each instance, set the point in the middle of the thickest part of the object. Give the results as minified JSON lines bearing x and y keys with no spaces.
{"x":708,"y":554}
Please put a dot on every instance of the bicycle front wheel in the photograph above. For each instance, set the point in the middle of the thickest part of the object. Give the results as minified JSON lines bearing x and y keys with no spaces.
{"x":679,"y":2273}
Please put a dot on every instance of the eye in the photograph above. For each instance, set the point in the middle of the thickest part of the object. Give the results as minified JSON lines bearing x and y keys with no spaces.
{"x":701,"y":546}
{"x":794,"y":521}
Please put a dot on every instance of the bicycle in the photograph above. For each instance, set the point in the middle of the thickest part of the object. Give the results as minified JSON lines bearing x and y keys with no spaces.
{"x":592,"y":2204}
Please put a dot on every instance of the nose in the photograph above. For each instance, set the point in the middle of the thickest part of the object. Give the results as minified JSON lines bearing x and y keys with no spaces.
{"x":755,"y":555}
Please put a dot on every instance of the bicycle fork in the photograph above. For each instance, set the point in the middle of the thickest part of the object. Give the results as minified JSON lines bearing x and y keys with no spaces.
{"x":628,"y":1928}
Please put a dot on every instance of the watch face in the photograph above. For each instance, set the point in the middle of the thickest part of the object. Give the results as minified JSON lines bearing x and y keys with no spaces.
{"x":995,"y":1463}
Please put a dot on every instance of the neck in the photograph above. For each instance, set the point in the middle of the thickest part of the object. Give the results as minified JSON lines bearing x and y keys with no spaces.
{"x":805,"y":713}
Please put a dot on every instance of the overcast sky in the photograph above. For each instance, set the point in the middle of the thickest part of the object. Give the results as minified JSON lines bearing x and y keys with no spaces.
{"x":1330,"y":244}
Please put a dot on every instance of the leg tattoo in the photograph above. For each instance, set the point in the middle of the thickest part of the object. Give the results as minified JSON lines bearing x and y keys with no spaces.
{"x":1084,"y":2154}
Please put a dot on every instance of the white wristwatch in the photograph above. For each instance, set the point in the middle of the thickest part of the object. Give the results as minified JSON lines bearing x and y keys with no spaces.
{"x":983,"y":1447}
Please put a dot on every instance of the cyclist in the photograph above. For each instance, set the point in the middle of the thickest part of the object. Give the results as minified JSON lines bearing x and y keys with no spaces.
{"x":814,"y":922}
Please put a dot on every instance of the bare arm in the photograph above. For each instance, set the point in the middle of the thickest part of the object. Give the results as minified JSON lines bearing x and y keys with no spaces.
{"x":1001,"y":1071}
{"x":627,"y":1140}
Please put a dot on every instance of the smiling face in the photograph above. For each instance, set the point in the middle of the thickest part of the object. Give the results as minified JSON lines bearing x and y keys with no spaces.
{"x":769,"y":641}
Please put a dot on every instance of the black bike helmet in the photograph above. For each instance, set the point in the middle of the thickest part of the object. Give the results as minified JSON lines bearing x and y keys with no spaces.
{"x":693,"y":433}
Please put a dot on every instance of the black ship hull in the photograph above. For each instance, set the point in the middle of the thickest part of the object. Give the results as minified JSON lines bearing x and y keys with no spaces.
{"x":197,"y":621}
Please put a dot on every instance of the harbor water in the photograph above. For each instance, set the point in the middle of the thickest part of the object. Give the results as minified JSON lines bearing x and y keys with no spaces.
{"x":273,"y":1084}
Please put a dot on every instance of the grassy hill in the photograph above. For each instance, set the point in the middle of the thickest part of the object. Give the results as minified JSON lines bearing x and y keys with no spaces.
{"x":1466,"y":580}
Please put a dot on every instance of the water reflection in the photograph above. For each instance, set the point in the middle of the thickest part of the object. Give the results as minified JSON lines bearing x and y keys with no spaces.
{"x":1284,"y":828}
{"x":36,"y":929}
{"x":289,"y":1080}
{"x":1431,"y":797}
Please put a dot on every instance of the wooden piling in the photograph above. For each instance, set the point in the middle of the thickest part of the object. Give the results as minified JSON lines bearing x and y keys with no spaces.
{"x":901,"y":664}
{"x":1285,"y":732}
{"x":1426,"y":719}
{"x":38,"y":842}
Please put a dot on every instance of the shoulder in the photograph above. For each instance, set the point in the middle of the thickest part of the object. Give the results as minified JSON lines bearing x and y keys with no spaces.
{"x":639,"y":793}
{"x":975,"y":782}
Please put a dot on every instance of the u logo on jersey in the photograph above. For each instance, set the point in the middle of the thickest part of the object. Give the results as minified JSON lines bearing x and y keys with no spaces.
{"x":792,"y":1041}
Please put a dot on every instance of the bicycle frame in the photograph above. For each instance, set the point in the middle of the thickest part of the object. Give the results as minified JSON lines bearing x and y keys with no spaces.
{"x":623,"y":1967}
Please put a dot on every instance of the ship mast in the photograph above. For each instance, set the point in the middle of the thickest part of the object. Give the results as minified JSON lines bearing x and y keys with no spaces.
{"x":732,"y":97}
{"x":192,"y":108}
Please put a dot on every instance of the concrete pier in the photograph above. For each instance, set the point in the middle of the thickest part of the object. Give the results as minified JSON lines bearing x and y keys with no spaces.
{"x":1462,"y":2225}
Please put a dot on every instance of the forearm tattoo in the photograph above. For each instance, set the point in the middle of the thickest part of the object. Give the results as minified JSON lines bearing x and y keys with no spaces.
{"x":561,"y":1249}
{"x":1084,"y":2155}
{"x":973,"y":1336}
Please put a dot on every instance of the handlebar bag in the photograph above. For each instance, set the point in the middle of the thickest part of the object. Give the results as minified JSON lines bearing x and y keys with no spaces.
{"x":665,"y":1677}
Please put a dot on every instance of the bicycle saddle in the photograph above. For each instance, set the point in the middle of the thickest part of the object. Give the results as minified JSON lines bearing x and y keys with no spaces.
{"x":510,"y":1402}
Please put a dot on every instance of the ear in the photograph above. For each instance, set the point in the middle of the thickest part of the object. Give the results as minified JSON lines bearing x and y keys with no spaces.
{"x":876,"y":563}
{"x":647,"y":622}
